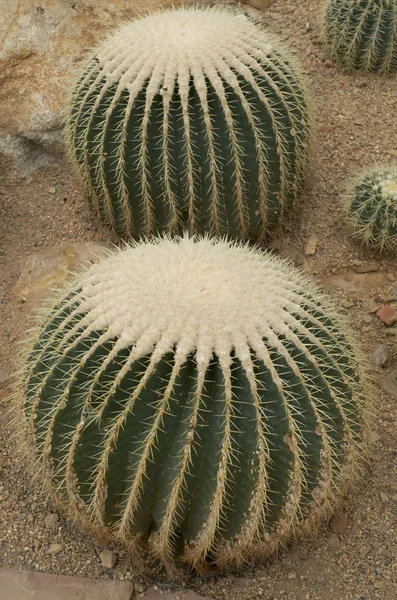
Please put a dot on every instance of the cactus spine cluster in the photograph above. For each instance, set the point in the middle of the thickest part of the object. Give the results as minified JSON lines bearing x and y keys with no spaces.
{"x":192,"y":119}
{"x":362,"y":34}
{"x":197,"y":399}
{"x":371,"y":208}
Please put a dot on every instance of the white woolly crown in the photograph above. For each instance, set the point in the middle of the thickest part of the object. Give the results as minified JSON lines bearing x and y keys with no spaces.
{"x":386,"y":184}
{"x":202,"y":296}
{"x":173,"y":45}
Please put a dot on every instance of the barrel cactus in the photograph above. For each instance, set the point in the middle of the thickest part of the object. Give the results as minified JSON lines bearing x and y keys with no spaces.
{"x":371,"y":208}
{"x":197,"y":401}
{"x":362,"y":34}
{"x":190,"y":119}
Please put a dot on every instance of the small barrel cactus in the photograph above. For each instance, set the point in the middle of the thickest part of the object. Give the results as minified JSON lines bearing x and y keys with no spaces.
{"x":191,"y":119}
{"x":371,"y":208}
{"x":197,"y":401}
{"x":362,"y":34}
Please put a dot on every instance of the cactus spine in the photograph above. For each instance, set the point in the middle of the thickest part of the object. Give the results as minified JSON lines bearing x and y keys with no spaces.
{"x":362,"y":34}
{"x":371,"y":208}
{"x":198,"y":399}
{"x":192,"y":119}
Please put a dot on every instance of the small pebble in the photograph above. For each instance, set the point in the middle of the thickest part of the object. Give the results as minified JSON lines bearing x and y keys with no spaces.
{"x":52,"y":190}
{"x":54,"y":549}
{"x":51,"y":520}
{"x":380,"y":356}
{"x":329,"y":64}
{"x":384,"y":498}
{"x":108,"y":559}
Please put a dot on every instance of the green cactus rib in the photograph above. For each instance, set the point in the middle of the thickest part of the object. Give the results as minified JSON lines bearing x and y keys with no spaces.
{"x":199,"y":452}
{"x":362,"y":34}
{"x":371,"y":208}
{"x":208,"y":135}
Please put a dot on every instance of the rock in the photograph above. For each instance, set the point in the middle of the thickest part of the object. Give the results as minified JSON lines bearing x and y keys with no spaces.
{"x":329,"y":64}
{"x":387,"y":314}
{"x":27,"y":585}
{"x":52,"y":190}
{"x":347,"y":303}
{"x":54,"y":549}
{"x":355,"y":283}
{"x":311,"y":245}
{"x":384,"y":498}
{"x":108,"y":559}
{"x":51,"y":520}
{"x":37,"y":544}
{"x":291,"y":575}
{"x":379,"y":585}
{"x":366,"y":319}
{"x":380,"y":356}
{"x":368,"y":267}
{"x":4,"y":376}
{"x":50,"y":268}
{"x":373,"y":305}
{"x":154,"y":594}
{"x":338,"y":522}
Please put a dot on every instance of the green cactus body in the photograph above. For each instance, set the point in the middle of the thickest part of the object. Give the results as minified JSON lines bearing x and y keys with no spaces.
{"x":192,"y":119}
{"x":197,"y":399}
{"x":371,"y":208}
{"x":362,"y":34}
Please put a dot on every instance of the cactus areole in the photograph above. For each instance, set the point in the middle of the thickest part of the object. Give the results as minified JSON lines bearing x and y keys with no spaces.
{"x":196,"y":401}
{"x":192,"y":119}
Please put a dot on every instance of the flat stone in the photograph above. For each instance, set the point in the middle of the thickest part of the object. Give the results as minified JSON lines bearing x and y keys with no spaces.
{"x":29,"y":585}
{"x":154,"y":594}
{"x":387,"y":314}
{"x":42,"y":271}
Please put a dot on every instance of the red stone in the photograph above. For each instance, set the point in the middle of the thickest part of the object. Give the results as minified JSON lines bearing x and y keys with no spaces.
{"x":387,"y":314}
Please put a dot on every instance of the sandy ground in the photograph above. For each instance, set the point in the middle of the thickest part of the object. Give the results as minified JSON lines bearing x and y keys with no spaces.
{"x":353,"y":557}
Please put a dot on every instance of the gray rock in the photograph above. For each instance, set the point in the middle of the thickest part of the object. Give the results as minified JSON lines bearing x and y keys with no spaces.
{"x":380,"y":356}
{"x":108,"y":559}
{"x":54,"y":548}
{"x":25,"y":585}
{"x":51,"y":520}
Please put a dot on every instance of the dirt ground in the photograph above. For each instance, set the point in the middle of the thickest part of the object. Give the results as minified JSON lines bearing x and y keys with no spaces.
{"x":354,"y":557}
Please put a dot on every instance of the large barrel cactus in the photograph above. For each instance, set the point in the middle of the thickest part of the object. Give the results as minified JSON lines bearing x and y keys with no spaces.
{"x":197,"y":401}
{"x":192,"y":119}
{"x":371,"y":208}
{"x":362,"y":34}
